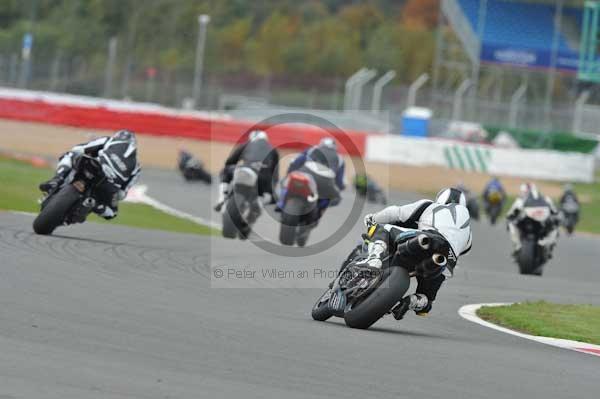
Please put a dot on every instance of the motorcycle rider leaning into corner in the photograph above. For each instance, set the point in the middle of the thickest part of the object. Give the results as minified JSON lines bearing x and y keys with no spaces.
{"x":122,"y":171}
{"x":327,"y":167}
{"x":257,"y":149}
{"x":446,"y":219}
{"x":530,"y":197}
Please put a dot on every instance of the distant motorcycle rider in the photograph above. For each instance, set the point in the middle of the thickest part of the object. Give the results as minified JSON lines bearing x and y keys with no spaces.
{"x":257,"y":149}
{"x":327,"y":167}
{"x":568,"y":195}
{"x":447,"y":218}
{"x":117,"y":155}
{"x":494,"y":186}
{"x":529,"y":197}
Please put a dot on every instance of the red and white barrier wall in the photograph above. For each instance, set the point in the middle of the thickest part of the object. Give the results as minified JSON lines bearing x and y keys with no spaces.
{"x":95,"y":113}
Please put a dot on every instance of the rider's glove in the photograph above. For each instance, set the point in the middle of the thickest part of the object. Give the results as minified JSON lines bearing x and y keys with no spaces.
{"x":369,"y":220}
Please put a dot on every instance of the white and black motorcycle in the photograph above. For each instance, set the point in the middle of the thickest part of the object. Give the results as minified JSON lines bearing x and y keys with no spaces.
{"x":569,"y":211}
{"x":362,"y":294}
{"x":243,"y":206}
{"x":534,"y":227}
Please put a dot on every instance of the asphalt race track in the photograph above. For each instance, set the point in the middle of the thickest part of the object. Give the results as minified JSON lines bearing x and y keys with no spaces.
{"x":102,"y":311}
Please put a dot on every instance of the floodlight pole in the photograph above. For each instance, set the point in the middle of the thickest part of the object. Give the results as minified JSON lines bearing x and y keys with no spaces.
{"x":553,"y":60}
{"x":203,"y":21}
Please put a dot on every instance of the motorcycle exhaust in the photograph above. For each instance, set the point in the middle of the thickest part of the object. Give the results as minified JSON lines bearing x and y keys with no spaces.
{"x":439,"y":259}
{"x":423,"y":241}
{"x":89,"y":202}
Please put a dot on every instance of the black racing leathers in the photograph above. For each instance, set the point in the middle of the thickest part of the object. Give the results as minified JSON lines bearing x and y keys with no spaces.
{"x":257,"y":151}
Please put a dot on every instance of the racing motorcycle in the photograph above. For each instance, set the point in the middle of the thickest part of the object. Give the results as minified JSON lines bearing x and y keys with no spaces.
{"x":242,"y":206}
{"x":493,"y":205}
{"x":369,"y":189}
{"x":299,"y":208}
{"x":72,"y":202}
{"x":533,"y":226}
{"x":569,"y":214}
{"x":192,"y":168}
{"x":363,"y":294}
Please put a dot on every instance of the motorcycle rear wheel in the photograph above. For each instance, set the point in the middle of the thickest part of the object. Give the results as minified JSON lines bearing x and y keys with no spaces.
{"x":379,"y":302}
{"x":232,"y":219}
{"x":290,"y":219}
{"x":54,"y":212}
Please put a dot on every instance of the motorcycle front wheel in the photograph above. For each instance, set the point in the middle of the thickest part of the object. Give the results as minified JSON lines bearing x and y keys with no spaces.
{"x":526,"y":258}
{"x":54,"y":212}
{"x":321,"y":311}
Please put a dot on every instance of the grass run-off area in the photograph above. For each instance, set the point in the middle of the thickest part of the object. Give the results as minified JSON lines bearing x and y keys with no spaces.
{"x":19,"y":192}
{"x":574,"y":322}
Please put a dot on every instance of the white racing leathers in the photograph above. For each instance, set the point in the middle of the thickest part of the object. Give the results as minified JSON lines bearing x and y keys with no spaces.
{"x":452,"y":221}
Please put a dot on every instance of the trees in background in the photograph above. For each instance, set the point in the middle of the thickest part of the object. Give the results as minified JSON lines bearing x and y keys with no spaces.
{"x":329,"y":38}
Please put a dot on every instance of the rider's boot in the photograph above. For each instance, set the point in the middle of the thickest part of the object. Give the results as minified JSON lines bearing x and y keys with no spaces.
{"x":376,"y":251}
{"x":56,"y":181}
{"x":419,"y":303}
{"x":223,"y":191}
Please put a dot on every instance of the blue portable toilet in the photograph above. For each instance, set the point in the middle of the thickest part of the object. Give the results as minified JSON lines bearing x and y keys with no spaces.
{"x":415,"y":121}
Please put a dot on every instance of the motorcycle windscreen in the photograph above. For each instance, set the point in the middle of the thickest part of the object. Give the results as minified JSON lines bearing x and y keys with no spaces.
{"x":538,"y":213}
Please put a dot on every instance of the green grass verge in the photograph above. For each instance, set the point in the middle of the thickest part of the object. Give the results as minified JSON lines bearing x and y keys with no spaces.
{"x":575,"y":322}
{"x":19,"y":192}
{"x":589,"y":219}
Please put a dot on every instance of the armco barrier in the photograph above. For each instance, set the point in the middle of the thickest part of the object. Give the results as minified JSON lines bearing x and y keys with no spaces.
{"x":92,"y":113}
{"x":534,"y":164}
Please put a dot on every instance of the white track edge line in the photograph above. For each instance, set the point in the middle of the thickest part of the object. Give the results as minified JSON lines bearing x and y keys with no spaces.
{"x":469,"y":312}
{"x":138,"y":194}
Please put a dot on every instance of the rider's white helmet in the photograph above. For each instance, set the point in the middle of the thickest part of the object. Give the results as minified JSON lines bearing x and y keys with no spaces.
{"x":258,"y":135}
{"x":529,"y":189}
{"x":451,"y":196}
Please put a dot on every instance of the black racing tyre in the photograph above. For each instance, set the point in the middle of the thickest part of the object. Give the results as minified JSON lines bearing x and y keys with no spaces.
{"x":232,"y":220}
{"x":375,"y":306}
{"x":290,"y":219}
{"x":54,"y":212}
{"x":321,"y":311}
{"x":303,"y":233}
{"x":526,"y":257}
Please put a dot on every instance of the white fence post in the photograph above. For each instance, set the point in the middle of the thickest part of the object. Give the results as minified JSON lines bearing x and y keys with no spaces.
{"x":414,"y":88}
{"x":378,"y":90}
{"x":358,"y":86}
{"x":349,"y":86}
{"x":458,"y":99}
